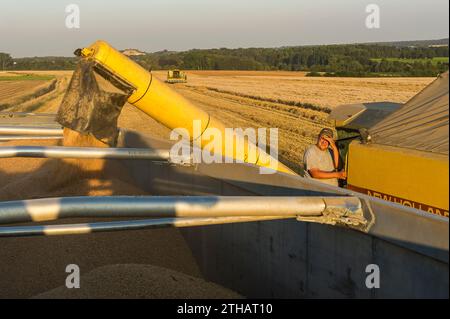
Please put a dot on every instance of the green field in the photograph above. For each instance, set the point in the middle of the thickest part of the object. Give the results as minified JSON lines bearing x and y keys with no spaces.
{"x":26,"y":77}
{"x":434,"y":61}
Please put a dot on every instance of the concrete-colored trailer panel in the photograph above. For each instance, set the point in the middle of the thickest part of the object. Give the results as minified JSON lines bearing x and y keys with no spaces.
{"x":292,"y":259}
{"x":288,"y":259}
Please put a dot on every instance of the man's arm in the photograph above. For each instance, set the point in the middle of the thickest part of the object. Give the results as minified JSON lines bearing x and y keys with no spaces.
{"x":317,"y":173}
{"x":335,"y":151}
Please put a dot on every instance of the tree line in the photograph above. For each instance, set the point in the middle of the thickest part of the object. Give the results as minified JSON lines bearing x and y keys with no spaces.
{"x":5,"y":61}
{"x":341,"y":60}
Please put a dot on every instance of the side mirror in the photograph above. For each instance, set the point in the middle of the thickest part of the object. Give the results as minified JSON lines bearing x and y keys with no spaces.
{"x":365,"y":136}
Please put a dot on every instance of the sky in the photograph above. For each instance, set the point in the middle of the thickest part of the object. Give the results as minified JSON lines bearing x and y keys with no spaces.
{"x":38,"y":28}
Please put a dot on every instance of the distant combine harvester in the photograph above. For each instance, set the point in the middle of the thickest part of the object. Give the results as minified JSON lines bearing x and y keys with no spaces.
{"x":176,"y":76}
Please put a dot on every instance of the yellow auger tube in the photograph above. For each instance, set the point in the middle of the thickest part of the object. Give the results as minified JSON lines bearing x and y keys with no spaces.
{"x":166,"y":106}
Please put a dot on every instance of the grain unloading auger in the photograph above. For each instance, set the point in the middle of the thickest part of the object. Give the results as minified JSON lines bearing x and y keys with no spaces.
{"x":168,"y":107}
{"x":174,"y":111}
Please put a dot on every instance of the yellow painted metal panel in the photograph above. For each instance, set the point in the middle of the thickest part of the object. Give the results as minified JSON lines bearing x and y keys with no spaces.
{"x":401,"y":175}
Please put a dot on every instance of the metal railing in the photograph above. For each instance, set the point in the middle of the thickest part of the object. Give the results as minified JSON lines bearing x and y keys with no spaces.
{"x":29,"y":137}
{"x":30,"y":130}
{"x":84,"y":152}
{"x":164,"y":211}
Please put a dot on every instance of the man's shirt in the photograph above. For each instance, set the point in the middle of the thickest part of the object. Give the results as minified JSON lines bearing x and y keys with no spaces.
{"x":314,"y":157}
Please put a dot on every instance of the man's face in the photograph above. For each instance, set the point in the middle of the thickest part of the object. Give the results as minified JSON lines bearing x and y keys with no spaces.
{"x":323,"y":143}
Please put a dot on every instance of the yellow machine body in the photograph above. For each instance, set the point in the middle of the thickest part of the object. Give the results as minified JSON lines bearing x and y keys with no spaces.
{"x":168,"y":107}
{"x":406,"y":176}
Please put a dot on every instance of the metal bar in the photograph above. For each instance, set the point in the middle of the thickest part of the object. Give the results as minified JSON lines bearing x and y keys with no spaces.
{"x":47,"y":209}
{"x":83,"y":152}
{"x":24,"y":114}
{"x":30,"y":130}
{"x":29,"y":137}
{"x":72,"y":229}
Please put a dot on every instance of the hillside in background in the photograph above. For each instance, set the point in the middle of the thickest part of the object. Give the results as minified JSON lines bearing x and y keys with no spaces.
{"x":405,"y":58}
{"x":415,"y":43}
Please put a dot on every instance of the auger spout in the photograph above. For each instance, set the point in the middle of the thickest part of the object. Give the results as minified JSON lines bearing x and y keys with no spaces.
{"x":170,"y":108}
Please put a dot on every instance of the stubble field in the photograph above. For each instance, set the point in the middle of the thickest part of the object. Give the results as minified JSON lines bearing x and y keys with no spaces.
{"x":295,"y":104}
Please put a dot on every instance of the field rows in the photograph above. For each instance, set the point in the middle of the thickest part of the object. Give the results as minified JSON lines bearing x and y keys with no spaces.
{"x":296,"y":130}
{"x":10,"y":90}
{"x":43,"y":96}
{"x":322,"y":92}
{"x":240,"y":99}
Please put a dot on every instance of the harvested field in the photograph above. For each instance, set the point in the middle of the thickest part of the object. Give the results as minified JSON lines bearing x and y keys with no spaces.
{"x":289,"y":101}
{"x":296,"y":88}
{"x":223,"y":73}
{"x":11,"y":90}
{"x":28,"y":93}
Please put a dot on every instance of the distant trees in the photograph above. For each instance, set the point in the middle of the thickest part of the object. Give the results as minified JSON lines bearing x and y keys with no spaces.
{"x":5,"y":61}
{"x":346,"y":60}
{"x":333,"y":60}
{"x":45,"y":63}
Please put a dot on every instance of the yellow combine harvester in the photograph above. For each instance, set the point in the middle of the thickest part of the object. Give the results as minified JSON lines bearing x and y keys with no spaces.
{"x":399,"y":153}
{"x":176,"y":76}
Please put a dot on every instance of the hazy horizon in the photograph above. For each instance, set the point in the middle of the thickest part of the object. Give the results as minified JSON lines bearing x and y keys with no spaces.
{"x":30,"y":28}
